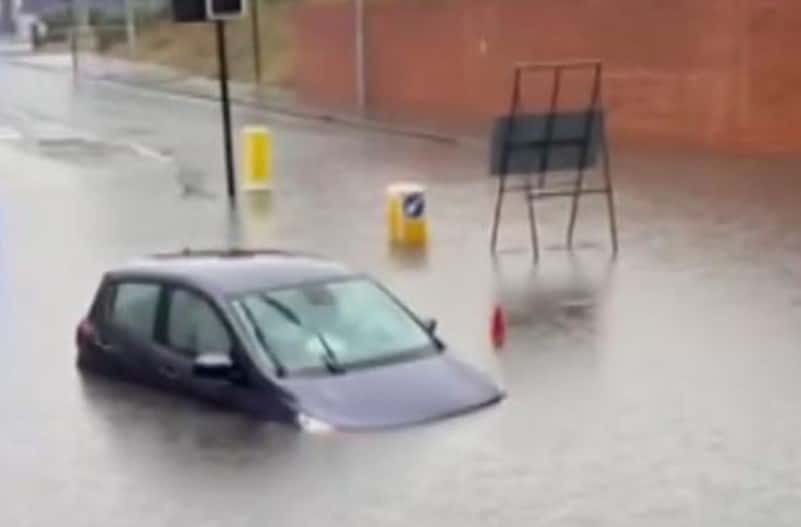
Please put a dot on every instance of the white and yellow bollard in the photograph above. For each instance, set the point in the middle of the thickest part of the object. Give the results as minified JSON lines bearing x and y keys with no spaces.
{"x":407,"y":224}
{"x":257,"y":158}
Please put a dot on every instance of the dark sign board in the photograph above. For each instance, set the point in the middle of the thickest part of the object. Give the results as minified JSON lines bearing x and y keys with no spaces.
{"x":225,"y":8}
{"x":189,"y":11}
{"x":525,"y":140}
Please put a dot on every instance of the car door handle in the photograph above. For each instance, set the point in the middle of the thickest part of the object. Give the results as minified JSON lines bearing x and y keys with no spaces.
{"x":169,"y":372}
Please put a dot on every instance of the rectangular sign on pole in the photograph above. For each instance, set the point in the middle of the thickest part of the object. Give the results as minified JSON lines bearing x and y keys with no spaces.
{"x":217,"y":11}
{"x":225,"y":9}
{"x":189,"y":11}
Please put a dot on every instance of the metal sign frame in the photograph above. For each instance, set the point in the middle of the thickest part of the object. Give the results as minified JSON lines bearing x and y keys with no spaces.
{"x":510,"y":144}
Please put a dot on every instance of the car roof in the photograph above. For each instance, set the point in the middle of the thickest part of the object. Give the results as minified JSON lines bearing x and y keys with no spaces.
{"x":233,"y":272}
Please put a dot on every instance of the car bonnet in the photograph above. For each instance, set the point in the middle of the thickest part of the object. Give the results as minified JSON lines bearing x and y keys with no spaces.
{"x":392,"y":395}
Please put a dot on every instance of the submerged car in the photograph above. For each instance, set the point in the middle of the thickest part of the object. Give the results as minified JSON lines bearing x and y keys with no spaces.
{"x":283,"y":336}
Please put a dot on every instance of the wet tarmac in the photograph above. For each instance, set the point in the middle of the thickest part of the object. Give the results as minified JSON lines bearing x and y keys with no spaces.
{"x":659,"y":389}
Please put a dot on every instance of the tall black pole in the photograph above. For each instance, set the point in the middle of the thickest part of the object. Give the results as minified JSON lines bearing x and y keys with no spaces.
{"x":255,"y":34}
{"x":226,"y":109}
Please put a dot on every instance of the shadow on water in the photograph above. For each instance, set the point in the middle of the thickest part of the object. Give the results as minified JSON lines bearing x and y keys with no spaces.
{"x":145,"y":424}
{"x":567,"y":292}
{"x":250,"y":221}
{"x":556,"y":315}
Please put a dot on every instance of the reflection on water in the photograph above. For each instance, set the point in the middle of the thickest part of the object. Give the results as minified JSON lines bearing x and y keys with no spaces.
{"x":407,"y":258}
{"x":568,"y":289}
{"x":124,"y":411}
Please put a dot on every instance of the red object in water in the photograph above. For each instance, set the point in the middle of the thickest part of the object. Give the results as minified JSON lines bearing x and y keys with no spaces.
{"x":498,"y":328}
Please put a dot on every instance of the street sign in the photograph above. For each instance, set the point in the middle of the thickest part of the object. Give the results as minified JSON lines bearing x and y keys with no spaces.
{"x":414,"y":205}
{"x":406,"y":215}
{"x":216,"y":11}
{"x":225,"y":9}
{"x":188,"y":11}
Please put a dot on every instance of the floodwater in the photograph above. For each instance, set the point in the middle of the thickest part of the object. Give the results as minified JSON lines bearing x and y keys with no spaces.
{"x":658,"y":389}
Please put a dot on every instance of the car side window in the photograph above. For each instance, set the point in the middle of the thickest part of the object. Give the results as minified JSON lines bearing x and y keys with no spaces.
{"x":194,"y":327}
{"x":134,"y":307}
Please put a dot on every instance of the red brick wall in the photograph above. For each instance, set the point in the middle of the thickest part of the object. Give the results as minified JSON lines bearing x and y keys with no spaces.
{"x":720,"y":74}
{"x":323,"y":45}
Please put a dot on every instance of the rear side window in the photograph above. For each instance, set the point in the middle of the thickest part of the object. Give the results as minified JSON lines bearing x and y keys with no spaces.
{"x":134,"y":307}
{"x":193,"y":326}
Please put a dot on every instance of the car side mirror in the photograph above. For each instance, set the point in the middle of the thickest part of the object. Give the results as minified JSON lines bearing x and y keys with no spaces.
{"x":213,"y":366}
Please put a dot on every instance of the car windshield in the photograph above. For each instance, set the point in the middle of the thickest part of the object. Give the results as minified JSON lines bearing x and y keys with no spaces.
{"x":331,"y":325}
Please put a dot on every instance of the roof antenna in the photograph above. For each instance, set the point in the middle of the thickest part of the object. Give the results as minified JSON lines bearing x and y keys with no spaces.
{"x":187,"y":251}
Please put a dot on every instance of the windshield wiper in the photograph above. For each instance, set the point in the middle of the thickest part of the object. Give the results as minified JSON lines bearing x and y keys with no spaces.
{"x":331,"y":361}
{"x":280,"y":370}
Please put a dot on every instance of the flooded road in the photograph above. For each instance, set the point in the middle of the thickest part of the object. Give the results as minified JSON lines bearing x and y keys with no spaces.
{"x":661,"y":389}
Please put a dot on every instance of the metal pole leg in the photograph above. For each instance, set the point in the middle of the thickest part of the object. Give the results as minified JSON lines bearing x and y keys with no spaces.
{"x":508,"y":133}
{"x":497,"y":216}
{"x":571,"y":227}
{"x":549,"y":126}
{"x":532,"y":221}
{"x":588,"y":134}
{"x":610,"y":201}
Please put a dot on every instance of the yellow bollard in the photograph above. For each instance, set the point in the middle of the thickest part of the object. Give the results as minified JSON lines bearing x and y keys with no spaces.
{"x":257,"y":158}
{"x":406,"y":220}
{"x":394,"y":215}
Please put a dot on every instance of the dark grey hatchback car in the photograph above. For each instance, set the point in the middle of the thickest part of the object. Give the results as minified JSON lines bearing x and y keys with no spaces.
{"x":282,"y":336}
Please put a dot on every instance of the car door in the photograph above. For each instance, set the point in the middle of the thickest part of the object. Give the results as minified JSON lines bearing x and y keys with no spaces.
{"x":191,"y":326}
{"x":128,"y":331}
